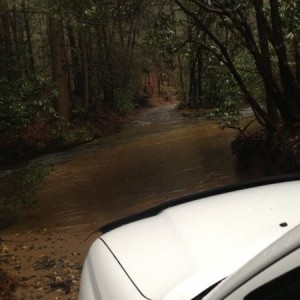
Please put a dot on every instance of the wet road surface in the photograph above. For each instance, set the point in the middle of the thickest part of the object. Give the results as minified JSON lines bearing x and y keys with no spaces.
{"x":161,"y":156}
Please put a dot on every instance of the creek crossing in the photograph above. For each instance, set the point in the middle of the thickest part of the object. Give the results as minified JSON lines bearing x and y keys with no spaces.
{"x":160,"y":156}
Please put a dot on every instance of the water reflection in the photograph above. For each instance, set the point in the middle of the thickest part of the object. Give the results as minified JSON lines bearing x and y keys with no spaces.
{"x":168,"y":156}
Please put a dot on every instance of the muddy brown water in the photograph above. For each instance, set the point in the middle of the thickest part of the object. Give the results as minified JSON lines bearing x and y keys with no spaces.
{"x":161,"y":156}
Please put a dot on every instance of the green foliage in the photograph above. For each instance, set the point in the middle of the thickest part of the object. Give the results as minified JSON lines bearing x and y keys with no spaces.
{"x":79,"y":114}
{"x":162,"y":37}
{"x":218,"y":85}
{"x":228,"y":113}
{"x":220,"y":90}
{"x":22,"y":102}
{"x":182,"y":96}
{"x":29,"y":182}
{"x":72,"y":136}
{"x":290,"y":13}
{"x":124,"y":101}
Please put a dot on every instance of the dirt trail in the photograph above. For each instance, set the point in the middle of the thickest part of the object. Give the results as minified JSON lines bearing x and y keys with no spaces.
{"x":44,"y":263}
{"x":167,"y":155}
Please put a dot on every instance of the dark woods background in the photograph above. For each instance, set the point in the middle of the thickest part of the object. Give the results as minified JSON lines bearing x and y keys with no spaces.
{"x":62,"y":62}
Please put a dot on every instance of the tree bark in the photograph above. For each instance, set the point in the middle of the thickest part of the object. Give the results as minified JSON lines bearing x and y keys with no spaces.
{"x":6,"y":33}
{"x":75,"y":66}
{"x":297,"y":60}
{"x":297,"y":50}
{"x":291,"y":91}
{"x":5,"y":39}
{"x":265,"y":52}
{"x":108,"y":84}
{"x":31,"y":63}
{"x":85,"y":70}
{"x":13,"y":21}
{"x":60,"y":68}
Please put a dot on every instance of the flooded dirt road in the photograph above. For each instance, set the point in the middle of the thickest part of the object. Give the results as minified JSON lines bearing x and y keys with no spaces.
{"x":162,"y":155}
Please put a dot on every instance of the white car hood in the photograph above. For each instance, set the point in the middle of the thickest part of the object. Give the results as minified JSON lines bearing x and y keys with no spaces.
{"x":186,"y":248}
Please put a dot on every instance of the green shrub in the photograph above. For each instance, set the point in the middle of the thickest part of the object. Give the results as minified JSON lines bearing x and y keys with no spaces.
{"x":23,"y":102}
{"x":124,"y":101}
{"x":28,"y":183}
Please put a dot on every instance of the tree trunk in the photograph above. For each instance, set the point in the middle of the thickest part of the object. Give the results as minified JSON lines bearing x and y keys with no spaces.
{"x":297,"y":51}
{"x":5,"y":39}
{"x":181,"y":76}
{"x":31,"y":64}
{"x":192,"y":85}
{"x":75,"y":67}
{"x":291,"y":90}
{"x":265,"y":52}
{"x":120,"y":24}
{"x":200,"y":75}
{"x":13,"y":20}
{"x":7,"y":34}
{"x":192,"y":68}
{"x":85,"y":71}
{"x":179,"y":60}
{"x":108,"y":84}
{"x":60,"y":68}
{"x":297,"y":61}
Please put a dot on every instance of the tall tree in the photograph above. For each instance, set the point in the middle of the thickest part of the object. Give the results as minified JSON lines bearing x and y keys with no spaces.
{"x":266,"y":56}
{"x":240,"y":15}
{"x":29,"y":44}
{"x":85,"y":69}
{"x":60,"y":66}
{"x":5,"y":37}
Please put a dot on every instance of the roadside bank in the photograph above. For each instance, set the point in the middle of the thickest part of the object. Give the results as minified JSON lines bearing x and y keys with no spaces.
{"x":278,"y":152}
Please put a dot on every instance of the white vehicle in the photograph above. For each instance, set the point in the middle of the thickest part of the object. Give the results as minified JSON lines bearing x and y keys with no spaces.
{"x":205,"y":246}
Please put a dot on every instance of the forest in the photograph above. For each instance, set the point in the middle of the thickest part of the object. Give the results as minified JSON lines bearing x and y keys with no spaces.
{"x":68,"y":65}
